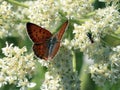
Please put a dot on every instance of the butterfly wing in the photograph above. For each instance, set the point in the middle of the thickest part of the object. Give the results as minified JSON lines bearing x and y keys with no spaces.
{"x":63,"y":28}
{"x":37,"y":33}
{"x":57,"y":37}
{"x":40,"y":37}
{"x":41,"y":50}
{"x":54,"y":51}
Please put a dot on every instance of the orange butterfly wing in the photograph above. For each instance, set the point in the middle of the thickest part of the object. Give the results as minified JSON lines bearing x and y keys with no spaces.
{"x":40,"y":37}
{"x":37,"y":33}
{"x":41,"y":50}
{"x":58,"y":36}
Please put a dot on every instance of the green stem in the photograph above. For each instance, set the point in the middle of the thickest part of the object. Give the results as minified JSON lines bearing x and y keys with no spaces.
{"x":86,"y":82}
{"x":74,"y":61}
{"x":80,"y":21}
{"x":84,"y":77}
{"x":91,"y":14}
{"x":22,"y":21}
{"x":17,"y":3}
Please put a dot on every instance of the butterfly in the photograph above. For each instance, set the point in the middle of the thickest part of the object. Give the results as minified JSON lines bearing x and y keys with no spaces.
{"x":90,"y":37}
{"x":46,"y":45}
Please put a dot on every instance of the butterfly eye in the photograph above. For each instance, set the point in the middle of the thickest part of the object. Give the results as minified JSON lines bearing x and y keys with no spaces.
{"x":90,"y":37}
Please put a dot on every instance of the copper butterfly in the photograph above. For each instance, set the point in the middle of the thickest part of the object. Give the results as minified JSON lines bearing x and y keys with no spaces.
{"x":46,"y":45}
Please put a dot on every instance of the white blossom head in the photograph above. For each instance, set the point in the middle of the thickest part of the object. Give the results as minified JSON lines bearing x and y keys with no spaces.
{"x":16,"y":67}
{"x":49,"y":13}
{"x":11,"y":19}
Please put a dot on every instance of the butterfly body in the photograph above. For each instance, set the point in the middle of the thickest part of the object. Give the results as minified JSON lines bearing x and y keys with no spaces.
{"x":45,"y":45}
{"x":51,"y":44}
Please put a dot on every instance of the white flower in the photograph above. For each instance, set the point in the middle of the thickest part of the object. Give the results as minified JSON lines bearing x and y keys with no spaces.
{"x":49,"y":13}
{"x":107,"y":70}
{"x":31,"y":85}
{"x":11,"y":20}
{"x":44,"y":13}
{"x":98,"y":26}
{"x":16,"y":67}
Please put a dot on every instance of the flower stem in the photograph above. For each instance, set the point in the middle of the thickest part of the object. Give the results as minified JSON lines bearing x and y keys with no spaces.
{"x":91,"y":14}
{"x":17,"y":3}
{"x":74,"y":61}
{"x":84,"y":77}
{"x":80,"y":21}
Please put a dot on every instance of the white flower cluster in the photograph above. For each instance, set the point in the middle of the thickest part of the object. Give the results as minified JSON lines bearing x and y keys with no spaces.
{"x":48,"y":13}
{"x":103,"y":22}
{"x":11,"y":18}
{"x":60,"y":74}
{"x":76,"y":9}
{"x":5,"y":15}
{"x":16,"y":67}
{"x":44,"y":13}
{"x":107,"y":71}
{"x":106,"y":59}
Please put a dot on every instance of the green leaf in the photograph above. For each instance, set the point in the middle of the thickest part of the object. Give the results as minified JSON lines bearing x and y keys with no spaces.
{"x":117,"y":31}
{"x":111,"y":39}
